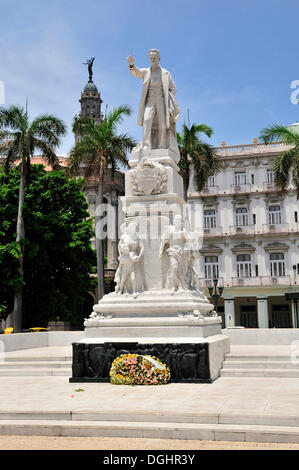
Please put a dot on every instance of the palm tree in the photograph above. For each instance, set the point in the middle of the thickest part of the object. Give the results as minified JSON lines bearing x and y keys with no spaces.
{"x":287,"y":163}
{"x":197,"y":154}
{"x":100,"y":148}
{"x":19,"y":139}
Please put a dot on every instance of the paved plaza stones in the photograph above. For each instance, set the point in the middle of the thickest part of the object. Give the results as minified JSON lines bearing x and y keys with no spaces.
{"x":231,"y":409}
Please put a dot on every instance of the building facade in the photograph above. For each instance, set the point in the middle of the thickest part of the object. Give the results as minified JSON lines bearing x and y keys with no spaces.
{"x":250,"y":238}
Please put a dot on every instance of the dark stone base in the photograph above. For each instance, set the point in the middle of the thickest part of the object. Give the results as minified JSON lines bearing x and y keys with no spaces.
{"x":188,"y":363}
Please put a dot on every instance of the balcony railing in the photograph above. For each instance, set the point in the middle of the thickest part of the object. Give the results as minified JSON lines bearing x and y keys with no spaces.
{"x":208,"y":282}
{"x":210,"y":190}
{"x":242,"y":229}
{"x":276,"y":228}
{"x":252,"y":149}
{"x":213,"y":232}
{"x":241,"y":188}
{"x":261,"y":281}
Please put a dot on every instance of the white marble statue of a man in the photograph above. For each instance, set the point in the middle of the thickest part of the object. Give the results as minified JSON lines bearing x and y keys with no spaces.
{"x":158,"y":108}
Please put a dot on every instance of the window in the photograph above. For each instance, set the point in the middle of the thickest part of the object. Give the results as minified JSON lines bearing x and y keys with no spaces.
{"x":254,"y":218}
{"x":210,"y":218}
{"x":211,"y":267}
{"x":241,"y":216}
{"x":211,"y":181}
{"x":244,"y":265}
{"x":296,"y":216}
{"x":274,"y":215}
{"x":277,"y":264}
{"x":252,"y":179}
{"x":270,"y":177}
{"x":240,"y":178}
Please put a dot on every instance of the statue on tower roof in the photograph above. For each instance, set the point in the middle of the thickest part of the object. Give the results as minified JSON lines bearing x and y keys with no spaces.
{"x":89,"y":63}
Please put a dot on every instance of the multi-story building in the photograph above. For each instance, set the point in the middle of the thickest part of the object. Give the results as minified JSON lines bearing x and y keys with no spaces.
{"x":250,"y":238}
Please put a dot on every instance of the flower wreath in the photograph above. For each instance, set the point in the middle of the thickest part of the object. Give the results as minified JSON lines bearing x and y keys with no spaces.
{"x":135,"y":369}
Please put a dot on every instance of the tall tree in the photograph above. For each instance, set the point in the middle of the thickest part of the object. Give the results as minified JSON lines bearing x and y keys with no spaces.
{"x":59,"y":258}
{"x":100,"y":149}
{"x":197,"y":155}
{"x":19,"y":139}
{"x":286,"y":164}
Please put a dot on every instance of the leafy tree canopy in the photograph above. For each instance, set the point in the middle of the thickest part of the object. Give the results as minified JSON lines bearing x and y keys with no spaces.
{"x":58,"y":254}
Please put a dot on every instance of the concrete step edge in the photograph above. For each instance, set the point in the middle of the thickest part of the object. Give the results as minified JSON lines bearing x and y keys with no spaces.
{"x":35,"y":359}
{"x":29,"y":365}
{"x":157,"y":430}
{"x":150,"y":417}
{"x":260,"y":364}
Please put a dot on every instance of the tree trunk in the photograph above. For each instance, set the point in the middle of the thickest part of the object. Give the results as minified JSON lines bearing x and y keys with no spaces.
{"x":18,"y":297}
{"x":100,"y":242}
{"x":185,"y":186}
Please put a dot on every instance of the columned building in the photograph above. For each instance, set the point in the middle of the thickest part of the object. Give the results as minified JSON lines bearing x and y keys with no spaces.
{"x":250,"y":238}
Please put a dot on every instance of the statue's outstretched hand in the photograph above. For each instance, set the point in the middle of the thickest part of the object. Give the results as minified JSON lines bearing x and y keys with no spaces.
{"x":131,"y":59}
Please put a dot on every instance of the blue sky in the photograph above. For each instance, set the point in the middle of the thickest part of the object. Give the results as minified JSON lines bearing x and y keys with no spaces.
{"x":232,"y":61}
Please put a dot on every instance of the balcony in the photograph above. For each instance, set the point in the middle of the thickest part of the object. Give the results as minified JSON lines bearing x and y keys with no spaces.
{"x":208,"y":282}
{"x":210,"y":190}
{"x":242,"y":229}
{"x":261,"y":281}
{"x":276,"y":228}
{"x":269,"y":187}
{"x":275,"y":280}
{"x":213,"y":232}
{"x":241,"y":188}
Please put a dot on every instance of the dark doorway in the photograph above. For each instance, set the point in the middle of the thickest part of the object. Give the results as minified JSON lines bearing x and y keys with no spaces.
{"x":248,"y":316}
{"x":281,"y":317}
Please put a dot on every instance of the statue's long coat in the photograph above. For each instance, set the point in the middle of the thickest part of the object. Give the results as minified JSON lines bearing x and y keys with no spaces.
{"x":169,"y":91}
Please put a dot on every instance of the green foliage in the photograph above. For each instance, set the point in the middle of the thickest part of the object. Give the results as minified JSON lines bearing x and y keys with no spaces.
{"x":198,"y":155}
{"x":286,"y":164}
{"x":9,"y":249}
{"x":58,"y":254}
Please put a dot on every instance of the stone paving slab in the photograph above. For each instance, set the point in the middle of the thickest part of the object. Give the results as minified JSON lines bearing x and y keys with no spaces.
{"x":226,"y":395}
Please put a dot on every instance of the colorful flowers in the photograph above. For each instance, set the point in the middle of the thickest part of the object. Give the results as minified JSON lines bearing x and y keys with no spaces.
{"x":134,"y":369}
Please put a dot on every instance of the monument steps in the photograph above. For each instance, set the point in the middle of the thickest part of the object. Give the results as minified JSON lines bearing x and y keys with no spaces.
{"x":35,"y":364}
{"x":166,"y":430}
{"x":35,"y":367}
{"x":35,"y":372}
{"x":277,"y":373}
{"x":211,"y":418}
{"x":268,"y":364}
{"x":242,"y":365}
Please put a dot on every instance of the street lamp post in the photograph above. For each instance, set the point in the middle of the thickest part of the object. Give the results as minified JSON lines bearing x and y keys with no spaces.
{"x":215,"y":295}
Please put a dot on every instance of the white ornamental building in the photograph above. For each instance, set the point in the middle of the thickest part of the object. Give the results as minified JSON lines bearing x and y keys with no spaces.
{"x":250,"y":238}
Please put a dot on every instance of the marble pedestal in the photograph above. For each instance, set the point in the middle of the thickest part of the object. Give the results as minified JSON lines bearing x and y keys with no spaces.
{"x":165,"y":315}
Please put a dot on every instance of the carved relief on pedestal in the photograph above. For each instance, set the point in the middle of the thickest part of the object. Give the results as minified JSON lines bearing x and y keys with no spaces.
{"x":148,"y":178}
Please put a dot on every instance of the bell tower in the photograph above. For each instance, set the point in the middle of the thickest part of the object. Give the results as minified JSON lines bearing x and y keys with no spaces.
{"x":90,"y":100}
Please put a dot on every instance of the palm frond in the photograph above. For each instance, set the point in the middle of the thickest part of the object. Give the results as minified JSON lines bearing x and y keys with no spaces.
{"x":279,"y":133}
{"x":281,"y":168}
